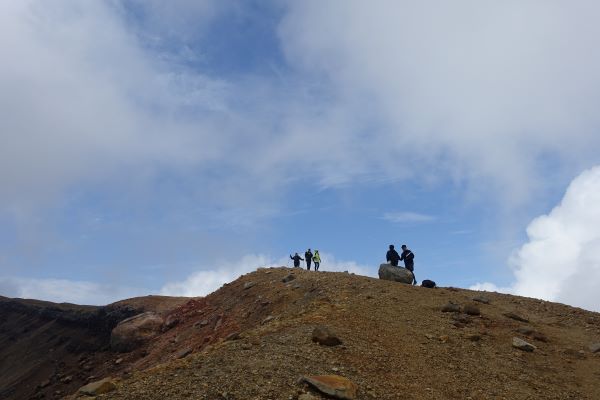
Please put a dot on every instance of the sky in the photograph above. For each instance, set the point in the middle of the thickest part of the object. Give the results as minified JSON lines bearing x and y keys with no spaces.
{"x":154,"y":147}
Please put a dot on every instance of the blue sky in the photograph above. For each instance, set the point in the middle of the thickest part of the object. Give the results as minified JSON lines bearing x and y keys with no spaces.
{"x":166,"y":147}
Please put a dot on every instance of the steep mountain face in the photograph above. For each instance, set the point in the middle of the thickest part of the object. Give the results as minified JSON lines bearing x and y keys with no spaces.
{"x":274,"y":334}
{"x":48,"y":350}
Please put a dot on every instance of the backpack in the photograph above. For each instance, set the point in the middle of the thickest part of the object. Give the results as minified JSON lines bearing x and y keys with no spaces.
{"x":428,"y":284}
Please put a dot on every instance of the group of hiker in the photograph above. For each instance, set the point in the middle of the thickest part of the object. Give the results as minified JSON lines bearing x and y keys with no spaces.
{"x":309,"y":258}
{"x":407,"y":256}
{"x":392,"y":257}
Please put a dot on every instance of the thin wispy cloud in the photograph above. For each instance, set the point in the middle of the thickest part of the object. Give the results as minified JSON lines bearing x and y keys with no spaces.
{"x":406,"y":217}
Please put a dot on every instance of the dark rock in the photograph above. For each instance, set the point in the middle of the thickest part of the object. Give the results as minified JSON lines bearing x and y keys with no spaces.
{"x":461,"y":318}
{"x":171,"y":322}
{"x":397,"y":274}
{"x":526,"y":330}
{"x":471,"y":309}
{"x":516,"y":317}
{"x":481,"y":299}
{"x":183,"y":353}
{"x":451,"y":307}
{"x":324,"y":336}
{"x":288,"y":278}
{"x":539,"y":336}
{"x":594,"y":347}
{"x":44,"y":384}
{"x":232,"y":336}
{"x":248,"y":285}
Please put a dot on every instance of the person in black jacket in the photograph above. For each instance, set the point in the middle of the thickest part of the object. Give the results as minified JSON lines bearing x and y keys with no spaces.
{"x":409,"y":261}
{"x":296,"y":259}
{"x":308,"y":256}
{"x":392,"y":256}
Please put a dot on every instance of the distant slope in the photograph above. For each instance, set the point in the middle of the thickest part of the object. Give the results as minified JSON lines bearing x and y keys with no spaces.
{"x":42,"y":343}
{"x":252,"y":340}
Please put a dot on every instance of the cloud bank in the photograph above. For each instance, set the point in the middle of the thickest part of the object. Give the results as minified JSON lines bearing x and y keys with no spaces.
{"x":561,"y":260}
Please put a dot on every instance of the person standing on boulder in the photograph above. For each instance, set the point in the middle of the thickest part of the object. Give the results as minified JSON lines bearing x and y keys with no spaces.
{"x":392,"y":256}
{"x":317,"y":260}
{"x":409,"y":261}
{"x":296,"y":259}
{"x":308,"y":256}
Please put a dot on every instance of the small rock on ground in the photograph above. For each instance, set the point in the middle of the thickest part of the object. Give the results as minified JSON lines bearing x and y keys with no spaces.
{"x":333,"y":385}
{"x":516,"y":317}
{"x":471,"y":309}
{"x":248,"y":285}
{"x":288,"y":278}
{"x":481,"y":299}
{"x":99,"y":387}
{"x":451,"y":307}
{"x":594,"y":347}
{"x":522,"y":345}
{"x":325,"y":336}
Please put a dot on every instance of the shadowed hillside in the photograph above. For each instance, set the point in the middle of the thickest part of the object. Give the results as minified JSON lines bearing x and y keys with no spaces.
{"x":47,"y":348}
{"x":253,"y":339}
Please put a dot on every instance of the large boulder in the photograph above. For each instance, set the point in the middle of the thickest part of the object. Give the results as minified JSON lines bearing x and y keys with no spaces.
{"x":132,"y":332}
{"x":397,"y":274}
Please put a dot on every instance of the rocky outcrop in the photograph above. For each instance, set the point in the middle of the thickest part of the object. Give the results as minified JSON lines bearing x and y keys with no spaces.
{"x":397,"y":274}
{"x":132,"y":332}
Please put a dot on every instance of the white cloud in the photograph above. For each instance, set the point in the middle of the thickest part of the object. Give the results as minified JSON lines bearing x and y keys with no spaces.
{"x":561,"y":260}
{"x":206,"y":281}
{"x":481,"y":92}
{"x":407,"y":217}
{"x":67,"y":291}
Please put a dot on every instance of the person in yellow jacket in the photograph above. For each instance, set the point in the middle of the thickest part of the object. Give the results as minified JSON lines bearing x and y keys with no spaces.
{"x":316,"y":260}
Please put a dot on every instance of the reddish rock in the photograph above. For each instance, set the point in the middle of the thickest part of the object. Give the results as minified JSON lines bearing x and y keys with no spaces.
{"x":333,"y":385}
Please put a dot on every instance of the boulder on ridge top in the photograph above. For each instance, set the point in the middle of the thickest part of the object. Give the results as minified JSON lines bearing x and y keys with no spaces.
{"x":389,"y":272}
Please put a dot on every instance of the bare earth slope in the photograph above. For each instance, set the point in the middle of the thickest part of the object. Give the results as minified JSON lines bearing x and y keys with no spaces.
{"x":252,"y":340}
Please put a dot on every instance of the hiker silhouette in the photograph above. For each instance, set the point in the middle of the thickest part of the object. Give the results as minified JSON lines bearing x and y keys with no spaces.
{"x":392,"y":256}
{"x":409,"y":261}
{"x":296,"y":259}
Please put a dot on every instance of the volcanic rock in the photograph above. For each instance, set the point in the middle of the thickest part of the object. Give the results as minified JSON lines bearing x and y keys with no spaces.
{"x":132,"y":332}
{"x":397,"y":274}
{"x":522,"y":345}
{"x":99,"y":387}
{"x":325,"y":336}
{"x":333,"y":385}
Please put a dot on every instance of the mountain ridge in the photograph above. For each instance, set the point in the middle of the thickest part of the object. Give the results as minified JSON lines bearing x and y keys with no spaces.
{"x":252,"y":339}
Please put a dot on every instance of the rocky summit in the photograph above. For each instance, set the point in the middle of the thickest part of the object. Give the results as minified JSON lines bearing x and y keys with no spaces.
{"x":284,"y":333}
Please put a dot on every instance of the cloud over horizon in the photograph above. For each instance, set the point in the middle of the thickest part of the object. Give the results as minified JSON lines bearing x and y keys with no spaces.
{"x":561,"y":260}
